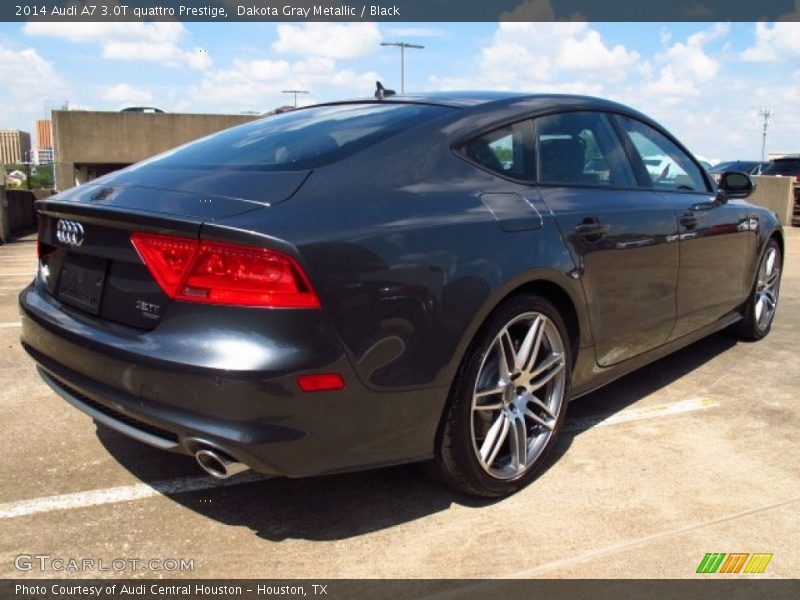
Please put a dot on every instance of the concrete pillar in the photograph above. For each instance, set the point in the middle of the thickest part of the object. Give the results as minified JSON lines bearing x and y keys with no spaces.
{"x":777,"y":194}
{"x":5,"y":225}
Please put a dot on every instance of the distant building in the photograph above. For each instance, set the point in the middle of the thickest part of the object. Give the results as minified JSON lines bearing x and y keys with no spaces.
{"x":44,"y":156}
{"x":44,"y":133}
{"x":90,"y":144}
{"x":15,"y":146}
{"x":44,"y":142}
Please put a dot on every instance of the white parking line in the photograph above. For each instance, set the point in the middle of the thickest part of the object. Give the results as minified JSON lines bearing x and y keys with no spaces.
{"x":11,"y":324}
{"x":640,"y":414}
{"x":138,"y":491}
{"x":124,"y":493}
{"x":485,"y":588}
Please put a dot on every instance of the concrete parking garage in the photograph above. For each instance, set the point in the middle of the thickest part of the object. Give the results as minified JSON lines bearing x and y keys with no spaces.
{"x":696,"y":453}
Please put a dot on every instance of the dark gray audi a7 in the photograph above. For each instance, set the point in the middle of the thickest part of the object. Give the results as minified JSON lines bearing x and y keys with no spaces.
{"x":367,"y":283}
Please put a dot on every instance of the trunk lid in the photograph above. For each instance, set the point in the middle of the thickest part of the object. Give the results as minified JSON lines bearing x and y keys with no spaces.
{"x":88,"y":262}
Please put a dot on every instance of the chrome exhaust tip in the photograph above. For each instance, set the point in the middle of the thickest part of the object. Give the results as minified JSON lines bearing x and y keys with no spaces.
{"x":217,"y":464}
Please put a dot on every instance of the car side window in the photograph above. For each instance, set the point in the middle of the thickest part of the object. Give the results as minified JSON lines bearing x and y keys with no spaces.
{"x":668,"y":167}
{"x":580,"y":148}
{"x":501,"y":151}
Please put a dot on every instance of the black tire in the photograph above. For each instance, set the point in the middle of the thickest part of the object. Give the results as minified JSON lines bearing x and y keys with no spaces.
{"x":750,"y":328}
{"x":457,"y":461}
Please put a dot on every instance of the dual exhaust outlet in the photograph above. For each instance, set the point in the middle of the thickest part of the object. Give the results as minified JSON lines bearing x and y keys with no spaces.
{"x":218,"y":464}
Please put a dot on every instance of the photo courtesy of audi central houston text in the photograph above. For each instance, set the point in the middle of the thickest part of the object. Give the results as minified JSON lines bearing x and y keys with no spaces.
{"x":405,"y":277}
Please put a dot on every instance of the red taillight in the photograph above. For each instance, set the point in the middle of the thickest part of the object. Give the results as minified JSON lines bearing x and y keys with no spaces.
{"x":220,"y":273}
{"x":167,"y":257}
{"x":320,"y":382}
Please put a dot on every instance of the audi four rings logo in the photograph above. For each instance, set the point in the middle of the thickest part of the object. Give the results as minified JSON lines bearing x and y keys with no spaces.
{"x":69,"y":232}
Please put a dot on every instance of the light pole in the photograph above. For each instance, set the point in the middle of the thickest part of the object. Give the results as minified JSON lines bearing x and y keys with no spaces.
{"x":27,"y":163}
{"x":295,"y":92}
{"x":766,"y":115}
{"x":402,"y":46}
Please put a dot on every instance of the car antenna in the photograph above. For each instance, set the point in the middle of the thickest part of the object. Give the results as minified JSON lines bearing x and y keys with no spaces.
{"x":381,"y":92}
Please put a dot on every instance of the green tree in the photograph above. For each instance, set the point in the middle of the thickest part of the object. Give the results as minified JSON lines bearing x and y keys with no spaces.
{"x":42,"y":177}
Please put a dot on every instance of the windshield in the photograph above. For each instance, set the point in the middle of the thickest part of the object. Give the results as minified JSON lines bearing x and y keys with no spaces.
{"x":298,"y":140}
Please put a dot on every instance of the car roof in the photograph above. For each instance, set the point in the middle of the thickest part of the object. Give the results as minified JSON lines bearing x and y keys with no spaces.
{"x":484,"y":110}
{"x":483,"y":107}
{"x":457,"y":99}
{"x":466,"y":99}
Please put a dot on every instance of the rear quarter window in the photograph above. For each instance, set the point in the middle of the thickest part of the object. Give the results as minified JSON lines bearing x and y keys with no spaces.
{"x":501,"y":151}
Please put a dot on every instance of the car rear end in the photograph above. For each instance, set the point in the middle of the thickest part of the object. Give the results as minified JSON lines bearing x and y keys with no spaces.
{"x":138,"y":320}
{"x":153,"y":316}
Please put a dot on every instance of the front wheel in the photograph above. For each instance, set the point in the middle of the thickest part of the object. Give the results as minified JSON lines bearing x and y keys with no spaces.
{"x":759,"y":311}
{"x":509,"y":400}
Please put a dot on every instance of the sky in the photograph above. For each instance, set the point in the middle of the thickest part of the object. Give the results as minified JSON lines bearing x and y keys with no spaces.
{"x":705,"y":82}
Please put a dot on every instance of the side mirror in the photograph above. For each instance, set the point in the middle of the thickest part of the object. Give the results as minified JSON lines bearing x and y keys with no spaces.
{"x":736,"y":185}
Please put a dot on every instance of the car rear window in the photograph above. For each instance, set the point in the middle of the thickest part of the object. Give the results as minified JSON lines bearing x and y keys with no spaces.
{"x":783,"y":167}
{"x":301,"y":139}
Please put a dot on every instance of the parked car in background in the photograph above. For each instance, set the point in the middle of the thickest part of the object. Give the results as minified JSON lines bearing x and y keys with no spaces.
{"x":751,"y":167}
{"x":367,"y":283}
{"x":788,"y":166}
{"x":665,"y":171}
{"x":143,"y":109}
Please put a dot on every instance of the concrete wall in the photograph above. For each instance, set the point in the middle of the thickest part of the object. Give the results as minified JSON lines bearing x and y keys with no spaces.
{"x":119,"y":138}
{"x":5,"y":225}
{"x":776,"y":193}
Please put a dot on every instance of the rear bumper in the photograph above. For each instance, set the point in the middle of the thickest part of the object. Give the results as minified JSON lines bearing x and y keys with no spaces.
{"x":179,"y":390}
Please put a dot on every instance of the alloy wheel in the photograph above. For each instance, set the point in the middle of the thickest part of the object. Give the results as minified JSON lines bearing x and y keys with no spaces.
{"x":518,"y":395}
{"x":767,"y":287}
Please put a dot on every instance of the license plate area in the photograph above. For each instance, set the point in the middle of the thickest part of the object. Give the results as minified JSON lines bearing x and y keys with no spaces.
{"x":82,"y":281}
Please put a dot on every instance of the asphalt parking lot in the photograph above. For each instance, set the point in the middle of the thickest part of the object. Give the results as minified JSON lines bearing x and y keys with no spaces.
{"x":696,"y":453}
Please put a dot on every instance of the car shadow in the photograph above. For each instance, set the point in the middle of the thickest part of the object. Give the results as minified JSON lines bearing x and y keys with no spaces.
{"x":336,"y":507}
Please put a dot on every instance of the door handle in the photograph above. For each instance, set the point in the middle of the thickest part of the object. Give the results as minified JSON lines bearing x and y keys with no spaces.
{"x":689,"y":221}
{"x":591,"y":229}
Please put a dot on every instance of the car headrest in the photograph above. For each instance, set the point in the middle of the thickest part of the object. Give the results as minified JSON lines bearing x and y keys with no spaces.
{"x":561,"y":160}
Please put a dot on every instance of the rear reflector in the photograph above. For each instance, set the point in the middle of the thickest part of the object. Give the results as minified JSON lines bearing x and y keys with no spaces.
{"x":220,"y":273}
{"x":320,"y":382}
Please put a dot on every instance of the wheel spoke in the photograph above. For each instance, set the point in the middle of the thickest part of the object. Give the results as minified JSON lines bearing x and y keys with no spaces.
{"x":769,"y":262}
{"x":533,"y":399}
{"x":490,"y":406}
{"x":490,"y":392}
{"x":495,"y":438}
{"x":548,"y":369}
{"x":505,"y":350}
{"x":759,"y":308}
{"x":539,"y":420}
{"x":772,"y":278}
{"x":769,"y":298}
{"x":529,"y":349}
{"x":519,"y":445}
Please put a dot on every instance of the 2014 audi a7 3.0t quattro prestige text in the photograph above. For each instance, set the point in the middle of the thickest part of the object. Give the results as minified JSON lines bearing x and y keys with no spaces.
{"x":367,"y":283}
